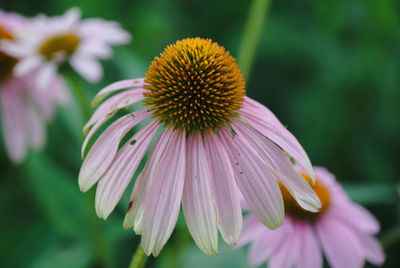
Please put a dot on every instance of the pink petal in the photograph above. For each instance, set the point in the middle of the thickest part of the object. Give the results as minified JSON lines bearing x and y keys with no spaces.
{"x":71,"y":17}
{"x":310,"y":253}
{"x":134,"y":216}
{"x":106,"y":31}
{"x":27,"y":65}
{"x":255,"y":181}
{"x":252,"y":228}
{"x":17,"y":50}
{"x":269,"y":127}
{"x":372,"y":249}
{"x":45,"y":75}
{"x":340,"y":243}
{"x":115,"y":87}
{"x":224,"y":190}
{"x":268,"y":242}
{"x":104,"y":149}
{"x":288,"y":252}
{"x":165,"y":195}
{"x":12,"y":121}
{"x":114,"y":182}
{"x":197,"y":200}
{"x":256,"y":109}
{"x":90,"y":48}
{"x":357,"y":216}
{"x":106,"y":110}
{"x":279,"y":164}
{"x":88,"y":68}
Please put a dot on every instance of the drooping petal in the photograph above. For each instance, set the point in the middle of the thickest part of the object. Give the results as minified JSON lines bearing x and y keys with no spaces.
{"x":373,"y":250}
{"x":13,"y":121}
{"x":104,"y":149}
{"x":310,"y":253}
{"x":288,"y":253}
{"x":71,"y":17}
{"x":27,"y":65}
{"x":106,"y":31}
{"x":278,"y":134}
{"x":340,"y":244}
{"x":114,"y":182}
{"x":45,"y":75}
{"x":90,"y":48}
{"x":280,"y":165}
{"x":17,"y":50}
{"x":88,"y":68}
{"x":165,"y":195}
{"x":115,"y":87}
{"x":106,"y":111}
{"x":357,"y":216}
{"x":255,"y":181}
{"x":256,"y":109}
{"x":252,"y":229}
{"x":224,"y":190}
{"x":134,"y":216}
{"x":267,"y":243}
{"x":197,"y":200}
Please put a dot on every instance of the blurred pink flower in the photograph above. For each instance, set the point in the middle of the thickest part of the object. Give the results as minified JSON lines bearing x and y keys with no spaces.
{"x":24,"y":108}
{"x":47,"y":42}
{"x":344,"y":231}
{"x":213,"y":141}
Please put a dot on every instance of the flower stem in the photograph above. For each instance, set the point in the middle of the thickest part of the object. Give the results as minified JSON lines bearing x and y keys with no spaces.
{"x":255,"y":20}
{"x":81,"y":97}
{"x":138,"y":259}
{"x":99,"y":241}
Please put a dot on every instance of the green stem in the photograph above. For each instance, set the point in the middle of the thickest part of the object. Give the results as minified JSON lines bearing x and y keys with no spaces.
{"x":99,"y":241}
{"x":247,"y":50}
{"x":81,"y":97}
{"x":391,"y":237}
{"x":101,"y":252}
{"x":139,"y":259}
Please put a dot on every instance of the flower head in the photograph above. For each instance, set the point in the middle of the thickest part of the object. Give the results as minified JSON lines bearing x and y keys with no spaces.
{"x":48,"y":42}
{"x":213,"y":139}
{"x":24,"y":108}
{"x":342,"y":230}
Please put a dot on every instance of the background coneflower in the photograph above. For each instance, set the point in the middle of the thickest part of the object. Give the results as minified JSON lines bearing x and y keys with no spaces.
{"x":342,"y":230}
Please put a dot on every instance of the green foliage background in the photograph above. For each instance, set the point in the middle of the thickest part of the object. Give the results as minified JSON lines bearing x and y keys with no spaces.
{"x":330,"y":70}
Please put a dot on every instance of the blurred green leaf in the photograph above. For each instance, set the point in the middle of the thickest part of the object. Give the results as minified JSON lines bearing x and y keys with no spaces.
{"x":372,"y":193}
{"x":56,"y":255}
{"x":193,"y":257}
{"x":56,"y":194}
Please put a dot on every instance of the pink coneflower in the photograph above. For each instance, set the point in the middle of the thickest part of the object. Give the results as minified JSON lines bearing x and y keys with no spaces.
{"x":214,"y":140}
{"x":24,"y":108}
{"x":48,"y":42}
{"x":342,"y":230}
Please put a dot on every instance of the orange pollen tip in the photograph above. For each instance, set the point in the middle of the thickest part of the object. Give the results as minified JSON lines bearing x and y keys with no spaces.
{"x":64,"y":43}
{"x":192,"y":78}
{"x":293,"y":208}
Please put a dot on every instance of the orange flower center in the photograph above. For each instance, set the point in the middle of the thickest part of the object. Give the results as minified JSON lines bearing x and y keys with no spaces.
{"x":195,"y":84}
{"x":293,"y":208}
{"x":7,"y":62}
{"x":64,"y":44}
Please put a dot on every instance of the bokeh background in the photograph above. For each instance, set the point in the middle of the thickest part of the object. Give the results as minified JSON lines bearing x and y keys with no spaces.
{"x":330,"y":70}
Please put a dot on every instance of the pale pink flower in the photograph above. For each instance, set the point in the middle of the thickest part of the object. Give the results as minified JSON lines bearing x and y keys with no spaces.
{"x":213,"y":140}
{"x":343,"y":231}
{"x":47,"y":42}
{"x":24,"y":108}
